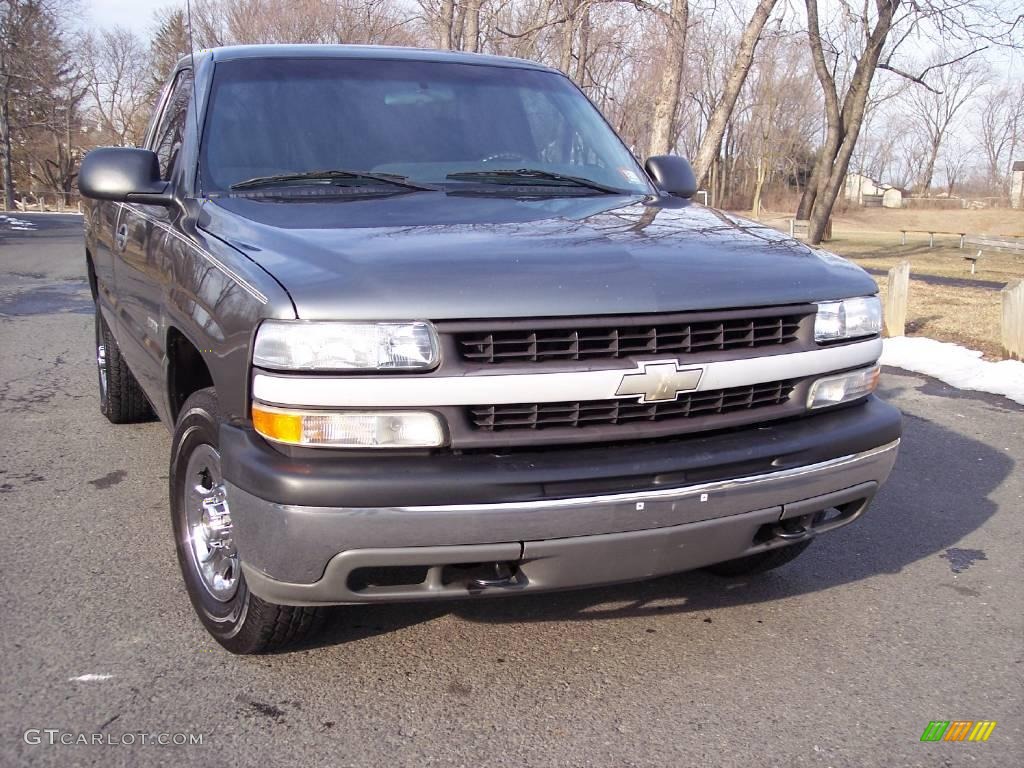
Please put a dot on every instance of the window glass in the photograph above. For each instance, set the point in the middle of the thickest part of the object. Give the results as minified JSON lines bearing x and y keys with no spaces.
{"x":417,"y":119}
{"x":171,"y":128}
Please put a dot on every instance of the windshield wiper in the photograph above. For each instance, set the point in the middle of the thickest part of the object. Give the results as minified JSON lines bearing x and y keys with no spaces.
{"x":508,"y":176}
{"x":329,"y":177}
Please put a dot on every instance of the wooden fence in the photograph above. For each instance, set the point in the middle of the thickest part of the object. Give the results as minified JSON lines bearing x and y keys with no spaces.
{"x":1013,"y":319}
{"x":896,"y":299}
{"x":1012,"y":325}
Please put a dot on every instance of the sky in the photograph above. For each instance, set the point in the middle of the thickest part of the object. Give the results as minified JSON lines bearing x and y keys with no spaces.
{"x":135,"y":14}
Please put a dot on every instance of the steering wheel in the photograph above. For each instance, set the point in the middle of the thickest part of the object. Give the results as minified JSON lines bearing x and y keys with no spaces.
{"x":514,"y":156}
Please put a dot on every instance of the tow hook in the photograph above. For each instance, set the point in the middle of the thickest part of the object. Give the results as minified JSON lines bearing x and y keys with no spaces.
{"x":504,"y":576}
{"x":794,"y":529}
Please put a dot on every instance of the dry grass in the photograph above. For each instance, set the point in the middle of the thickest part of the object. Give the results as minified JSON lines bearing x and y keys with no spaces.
{"x":966,"y":315}
{"x":874,"y":250}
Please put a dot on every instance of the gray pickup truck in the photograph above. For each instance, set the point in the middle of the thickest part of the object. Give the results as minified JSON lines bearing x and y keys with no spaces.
{"x":423,"y":328}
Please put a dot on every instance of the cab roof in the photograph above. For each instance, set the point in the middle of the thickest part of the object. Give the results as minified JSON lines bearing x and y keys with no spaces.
{"x":381,"y":52}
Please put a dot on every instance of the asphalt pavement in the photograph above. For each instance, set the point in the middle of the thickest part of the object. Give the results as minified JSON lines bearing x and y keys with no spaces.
{"x":842,"y":658}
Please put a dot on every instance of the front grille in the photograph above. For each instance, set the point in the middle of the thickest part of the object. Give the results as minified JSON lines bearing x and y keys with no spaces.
{"x":592,"y":413}
{"x":627,"y":339}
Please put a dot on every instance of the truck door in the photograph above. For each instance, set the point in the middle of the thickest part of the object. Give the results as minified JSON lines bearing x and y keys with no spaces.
{"x":140,"y":239}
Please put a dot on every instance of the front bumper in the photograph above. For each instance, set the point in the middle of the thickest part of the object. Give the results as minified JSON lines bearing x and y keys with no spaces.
{"x":354,"y":552}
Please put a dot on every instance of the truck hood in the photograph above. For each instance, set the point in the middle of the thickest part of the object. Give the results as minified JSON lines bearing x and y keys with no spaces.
{"x":441,"y":256}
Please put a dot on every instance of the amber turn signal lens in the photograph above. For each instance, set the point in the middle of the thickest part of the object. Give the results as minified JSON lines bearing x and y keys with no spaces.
{"x":278,"y":425}
{"x":349,"y":429}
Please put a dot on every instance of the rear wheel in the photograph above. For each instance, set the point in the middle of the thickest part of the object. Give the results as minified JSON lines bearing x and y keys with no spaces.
{"x":122,"y":400}
{"x":210,"y":565}
{"x":760,"y":562}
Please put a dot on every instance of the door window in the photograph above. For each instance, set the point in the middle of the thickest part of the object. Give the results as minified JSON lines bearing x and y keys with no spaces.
{"x":171,"y":128}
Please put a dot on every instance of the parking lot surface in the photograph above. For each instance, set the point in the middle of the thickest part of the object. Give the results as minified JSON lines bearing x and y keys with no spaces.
{"x":842,"y":658}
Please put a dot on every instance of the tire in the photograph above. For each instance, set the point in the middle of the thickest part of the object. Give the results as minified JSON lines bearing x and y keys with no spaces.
{"x":236,"y":618}
{"x":122,"y":400}
{"x":760,"y":562}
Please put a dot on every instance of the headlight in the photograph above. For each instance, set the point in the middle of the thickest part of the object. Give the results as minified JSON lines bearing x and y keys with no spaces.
{"x":349,"y":429}
{"x":340,"y":346}
{"x":843,"y":387}
{"x":848,"y":319}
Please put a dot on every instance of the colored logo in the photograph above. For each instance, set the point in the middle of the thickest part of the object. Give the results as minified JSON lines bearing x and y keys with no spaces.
{"x":958,"y":730}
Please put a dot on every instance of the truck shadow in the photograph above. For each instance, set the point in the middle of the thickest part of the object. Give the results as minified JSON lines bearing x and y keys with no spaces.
{"x":937,"y":494}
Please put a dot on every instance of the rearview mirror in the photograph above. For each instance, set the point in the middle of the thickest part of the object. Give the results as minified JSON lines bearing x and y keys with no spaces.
{"x":124,"y":175}
{"x":672,"y":174}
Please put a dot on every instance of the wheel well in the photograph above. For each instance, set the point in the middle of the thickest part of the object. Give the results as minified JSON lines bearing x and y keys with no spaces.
{"x":187,"y":372}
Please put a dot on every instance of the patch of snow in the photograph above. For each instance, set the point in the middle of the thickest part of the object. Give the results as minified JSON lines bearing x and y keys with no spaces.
{"x":956,"y":365}
{"x":14,"y":223}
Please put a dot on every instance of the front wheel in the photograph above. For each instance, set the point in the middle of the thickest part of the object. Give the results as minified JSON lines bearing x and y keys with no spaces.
{"x":210,"y":565}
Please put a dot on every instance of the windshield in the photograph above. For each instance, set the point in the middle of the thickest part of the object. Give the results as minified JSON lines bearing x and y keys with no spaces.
{"x":420,"y":121}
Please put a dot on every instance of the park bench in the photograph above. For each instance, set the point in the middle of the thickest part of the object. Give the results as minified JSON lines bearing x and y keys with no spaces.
{"x":990,"y":243}
{"x":931,"y":235}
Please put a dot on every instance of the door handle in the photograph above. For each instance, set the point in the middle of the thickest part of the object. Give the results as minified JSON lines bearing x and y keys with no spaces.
{"x":121,"y":237}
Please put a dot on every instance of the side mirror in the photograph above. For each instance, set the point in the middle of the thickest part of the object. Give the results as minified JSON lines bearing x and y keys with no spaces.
{"x":672,"y":174}
{"x":124,"y":175}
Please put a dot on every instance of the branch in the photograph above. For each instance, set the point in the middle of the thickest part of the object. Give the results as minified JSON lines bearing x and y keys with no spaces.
{"x":534,"y":29}
{"x":919,"y":79}
{"x":912,"y":78}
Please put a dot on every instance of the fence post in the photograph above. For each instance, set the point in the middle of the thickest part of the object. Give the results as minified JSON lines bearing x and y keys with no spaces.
{"x":1013,"y":319}
{"x":792,"y":229}
{"x":896,"y":299}
{"x":931,"y":239}
{"x":903,"y":238}
{"x":42,"y":203}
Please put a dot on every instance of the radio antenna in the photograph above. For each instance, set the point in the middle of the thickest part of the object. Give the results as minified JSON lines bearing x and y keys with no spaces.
{"x":195,"y":94}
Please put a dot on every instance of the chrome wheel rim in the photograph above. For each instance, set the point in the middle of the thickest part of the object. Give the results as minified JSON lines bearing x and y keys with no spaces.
{"x":101,"y":365}
{"x":208,"y":524}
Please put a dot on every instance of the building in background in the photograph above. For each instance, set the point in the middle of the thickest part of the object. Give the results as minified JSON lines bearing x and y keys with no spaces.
{"x":863,"y":190}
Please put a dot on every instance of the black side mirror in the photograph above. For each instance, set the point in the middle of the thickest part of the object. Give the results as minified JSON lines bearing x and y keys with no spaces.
{"x":124,"y":175}
{"x":672,"y":174}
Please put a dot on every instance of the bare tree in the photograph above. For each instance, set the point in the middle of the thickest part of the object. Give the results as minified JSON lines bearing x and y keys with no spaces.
{"x":1001,"y":131}
{"x":955,"y":160}
{"x":169,"y":43}
{"x":845,"y":116}
{"x":869,"y":38}
{"x":19,"y":22}
{"x":666,"y":100}
{"x":118,"y":80}
{"x":933,"y":110}
{"x":711,"y":144}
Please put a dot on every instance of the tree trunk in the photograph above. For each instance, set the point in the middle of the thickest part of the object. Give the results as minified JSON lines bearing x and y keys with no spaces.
{"x":852,"y":118}
{"x":570,"y":7}
{"x":583,"y":53}
{"x":5,"y":150}
{"x":833,"y":166}
{"x":929,"y":169}
{"x":666,"y":103}
{"x":762,"y":173}
{"x":833,"y":116}
{"x":471,"y":39}
{"x":444,"y":39}
{"x":722,"y":113}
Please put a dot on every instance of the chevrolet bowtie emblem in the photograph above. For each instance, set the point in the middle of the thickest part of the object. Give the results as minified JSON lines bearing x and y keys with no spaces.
{"x":659,"y":382}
